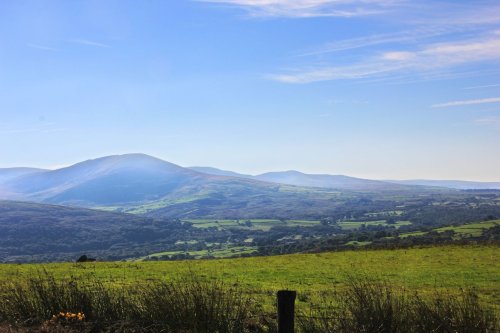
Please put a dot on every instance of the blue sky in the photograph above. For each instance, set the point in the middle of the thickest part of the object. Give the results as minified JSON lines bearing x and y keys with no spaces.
{"x":368,"y":88}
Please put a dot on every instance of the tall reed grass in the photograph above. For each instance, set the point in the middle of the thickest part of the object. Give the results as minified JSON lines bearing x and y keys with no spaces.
{"x":371,"y":307}
{"x":191,"y":305}
{"x":194,"y":305}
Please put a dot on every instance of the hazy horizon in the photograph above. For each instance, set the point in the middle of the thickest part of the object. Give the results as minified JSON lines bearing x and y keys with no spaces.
{"x":237,"y":171}
{"x":377,"y":89}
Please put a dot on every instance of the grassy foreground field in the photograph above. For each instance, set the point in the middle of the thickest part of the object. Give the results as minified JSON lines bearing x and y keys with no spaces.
{"x":419,"y":269}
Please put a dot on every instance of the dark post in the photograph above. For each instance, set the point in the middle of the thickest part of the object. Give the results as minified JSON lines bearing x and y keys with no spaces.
{"x":286,"y":311}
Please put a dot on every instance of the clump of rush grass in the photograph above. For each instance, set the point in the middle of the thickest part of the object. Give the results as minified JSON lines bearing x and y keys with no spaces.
{"x":191,"y":306}
{"x":41,"y":297}
{"x":195,"y":305}
{"x":369,"y":307}
{"x":453,"y":313}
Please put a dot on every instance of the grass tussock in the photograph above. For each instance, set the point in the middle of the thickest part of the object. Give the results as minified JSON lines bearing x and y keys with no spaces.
{"x":369,"y":307}
{"x":193,"y":305}
{"x":188,"y":306}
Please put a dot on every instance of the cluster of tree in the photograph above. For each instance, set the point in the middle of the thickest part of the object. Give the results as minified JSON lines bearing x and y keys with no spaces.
{"x":370,"y":239}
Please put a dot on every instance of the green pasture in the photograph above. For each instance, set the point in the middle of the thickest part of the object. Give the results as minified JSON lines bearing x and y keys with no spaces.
{"x":352,"y":225}
{"x":266,"y":224}
{"x":470,"y":230}
{"x":251,"y":224}
{"x":224,"y":252}
{"x":422,"y":269}
{"x":461,"y":231}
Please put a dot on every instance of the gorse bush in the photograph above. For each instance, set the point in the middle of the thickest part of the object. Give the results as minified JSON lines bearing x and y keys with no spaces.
{"x":194,"y":305}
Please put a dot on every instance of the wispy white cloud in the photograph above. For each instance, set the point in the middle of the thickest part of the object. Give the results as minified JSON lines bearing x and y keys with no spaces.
{"x":455,"y":14}
{"x":41,"y":47}
{"x":428,"y":58}
{"x":468,"y":102}
{"x":311,"y":8}
{"x":399,"y":56}
{"x":88,"y":43}
{"x":483,"y":86}
{"x":359,"y":71}
{"x":489,"y":121}
{"x":425,"y":21}
{"x":402,"y":37}
{"x":435,"y":75}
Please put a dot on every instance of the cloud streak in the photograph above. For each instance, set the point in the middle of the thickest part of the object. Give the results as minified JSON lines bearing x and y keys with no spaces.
{"x":41,"y":47}
{"x":409,"y":36}
{"x":489,"y":121}
{"x":427,"y":59}
{"x":468,"y":102}
{"x":310,"y":8}
{"x":483,"y":86}
{"x":88,"y":43}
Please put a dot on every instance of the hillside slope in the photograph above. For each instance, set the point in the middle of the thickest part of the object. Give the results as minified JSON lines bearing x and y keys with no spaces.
{"x":8,"y":174}
{"x":39,"y":232}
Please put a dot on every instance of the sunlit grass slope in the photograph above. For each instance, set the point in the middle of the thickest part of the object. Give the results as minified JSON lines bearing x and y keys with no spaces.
{"x":420,"y":269}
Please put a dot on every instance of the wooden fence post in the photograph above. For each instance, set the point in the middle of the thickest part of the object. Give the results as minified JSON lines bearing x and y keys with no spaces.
{"x":286,"y":311}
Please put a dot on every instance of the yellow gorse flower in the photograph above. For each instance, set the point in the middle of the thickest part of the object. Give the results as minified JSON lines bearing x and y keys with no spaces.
{"x":68,"y":316}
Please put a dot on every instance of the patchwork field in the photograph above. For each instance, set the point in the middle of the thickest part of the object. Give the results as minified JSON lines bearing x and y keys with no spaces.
{"x":224,"y":251}
{"x":461,"y":231}
{"x":252,"y":224}
{"x":352,"y":225}
{"x":266,"y":224}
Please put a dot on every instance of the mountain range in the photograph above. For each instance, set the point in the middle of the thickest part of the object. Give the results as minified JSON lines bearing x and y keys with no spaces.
{"x":143,"y":184}
{"x":297,"y":178}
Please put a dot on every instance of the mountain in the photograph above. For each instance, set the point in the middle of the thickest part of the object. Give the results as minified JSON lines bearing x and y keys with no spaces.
{"x":296,"y":178}
{"x":455,"y":184}
{"x":7,"y":174}
{"x":325,"y":181}
{"x":219,"y":172}
{"x":41,"y":232}
{"x":104,"y":181}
